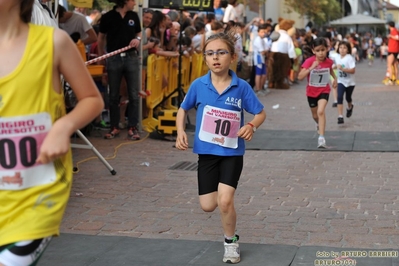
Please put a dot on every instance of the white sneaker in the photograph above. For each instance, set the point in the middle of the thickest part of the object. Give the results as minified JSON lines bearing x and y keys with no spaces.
{"x":322,"y":143}
{"x":231,"y":252}
{"x":259,"y":93}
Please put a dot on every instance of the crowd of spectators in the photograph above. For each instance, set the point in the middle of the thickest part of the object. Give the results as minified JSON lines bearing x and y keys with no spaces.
{"x":169,"y":32}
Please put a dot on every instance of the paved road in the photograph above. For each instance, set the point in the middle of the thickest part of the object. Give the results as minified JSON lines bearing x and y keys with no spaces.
{"x":334,"y":199}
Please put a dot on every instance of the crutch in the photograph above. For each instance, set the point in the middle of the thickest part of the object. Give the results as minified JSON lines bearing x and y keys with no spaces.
{"x":90,"y":146}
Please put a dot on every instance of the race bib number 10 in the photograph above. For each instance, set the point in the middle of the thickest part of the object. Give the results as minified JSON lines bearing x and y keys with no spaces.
{"x":20,"y":140}
{"x":319,"y":77}
{"x":220,"y":126}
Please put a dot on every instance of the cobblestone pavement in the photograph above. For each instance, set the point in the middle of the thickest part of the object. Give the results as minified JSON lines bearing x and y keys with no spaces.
{"x":336,"y":199}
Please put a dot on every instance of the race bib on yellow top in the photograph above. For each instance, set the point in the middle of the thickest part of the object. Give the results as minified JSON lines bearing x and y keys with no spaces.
{"x":319,"y":77}
{"x":20,"y":141}
{"x":220,"y":126}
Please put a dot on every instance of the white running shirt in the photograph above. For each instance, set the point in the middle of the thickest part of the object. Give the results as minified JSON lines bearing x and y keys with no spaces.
{"x":346,"y":62}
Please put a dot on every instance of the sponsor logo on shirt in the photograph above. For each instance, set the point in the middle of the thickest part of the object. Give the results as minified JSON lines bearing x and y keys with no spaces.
{"x":233,"y":102}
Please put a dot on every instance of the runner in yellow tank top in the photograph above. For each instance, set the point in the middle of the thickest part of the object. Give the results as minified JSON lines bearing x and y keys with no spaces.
{"x":35,"y":156}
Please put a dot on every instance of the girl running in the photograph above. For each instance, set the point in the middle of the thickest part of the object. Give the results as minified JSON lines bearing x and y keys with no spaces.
{"x":345,"y":64}
{"x":318,"y":69}
{"x":221,"y":99}
{"x":36,"y":165}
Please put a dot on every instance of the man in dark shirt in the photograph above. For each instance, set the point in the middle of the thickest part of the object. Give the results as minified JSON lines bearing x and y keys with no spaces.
{"x":119,"y":28}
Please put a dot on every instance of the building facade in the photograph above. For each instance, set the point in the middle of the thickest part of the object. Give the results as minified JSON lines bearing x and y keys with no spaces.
{"x":277,"y":8}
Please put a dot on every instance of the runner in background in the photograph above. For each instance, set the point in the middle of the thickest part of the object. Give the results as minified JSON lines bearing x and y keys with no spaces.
{"x":393,"y":51}
{"x":345,"y":64}
{"x":318,"y":69}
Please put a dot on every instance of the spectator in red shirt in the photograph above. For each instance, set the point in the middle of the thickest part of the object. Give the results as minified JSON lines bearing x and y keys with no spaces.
{"x":393,"y":50}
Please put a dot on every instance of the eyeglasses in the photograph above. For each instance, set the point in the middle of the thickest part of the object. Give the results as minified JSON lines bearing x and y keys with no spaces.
{"x":210,"y":53}
{"x":147,"y":10}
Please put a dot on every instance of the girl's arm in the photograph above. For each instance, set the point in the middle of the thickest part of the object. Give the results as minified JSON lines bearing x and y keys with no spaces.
{"x":332,"y":73}
{"x":349,"y":70}
{"x":90,"y":103}
{"x":258,"y":119}
{"x":166,"y":53}
{"x":181,"y":140}
{"x":148,"y":45}
{"x":304,"y":73}
{"x":72,"y":67}
{"x":246,"y":132}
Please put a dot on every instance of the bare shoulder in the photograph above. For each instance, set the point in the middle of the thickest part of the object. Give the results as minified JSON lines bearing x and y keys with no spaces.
{"x":61,"y":38}
{"x":63,"y":45}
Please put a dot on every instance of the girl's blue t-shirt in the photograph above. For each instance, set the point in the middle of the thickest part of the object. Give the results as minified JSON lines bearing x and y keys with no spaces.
{"x":224,"y":108}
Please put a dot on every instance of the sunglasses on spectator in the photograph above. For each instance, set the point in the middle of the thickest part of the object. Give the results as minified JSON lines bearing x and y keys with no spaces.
{"x":147,"y":10}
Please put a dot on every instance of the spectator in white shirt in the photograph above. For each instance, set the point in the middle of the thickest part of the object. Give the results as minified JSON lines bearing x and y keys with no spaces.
{"x":230,"y":12}
{"x":240,"y":9}
{"x":282,"y":51}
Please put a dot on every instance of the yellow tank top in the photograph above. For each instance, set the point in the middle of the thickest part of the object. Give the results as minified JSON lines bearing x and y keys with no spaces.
{"x":33,"y":196}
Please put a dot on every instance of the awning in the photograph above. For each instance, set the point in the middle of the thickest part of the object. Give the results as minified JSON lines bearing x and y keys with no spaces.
{"x":357,"y":19}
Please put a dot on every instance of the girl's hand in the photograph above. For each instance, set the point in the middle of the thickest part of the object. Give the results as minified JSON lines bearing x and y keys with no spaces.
{"x":181,"y":141}
{"x":55,"y":145}
{"x":314,"y":65}
{"x":334,"y":84}
{"x":246,"y":132}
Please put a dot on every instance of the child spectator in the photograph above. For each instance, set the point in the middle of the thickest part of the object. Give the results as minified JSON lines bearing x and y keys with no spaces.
{"x":371,"y":52}
{"x":259,"y":47}
{"x":384,"y":51}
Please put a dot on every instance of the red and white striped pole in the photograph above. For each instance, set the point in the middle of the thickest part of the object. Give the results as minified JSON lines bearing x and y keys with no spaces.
{"x":108,"y":55}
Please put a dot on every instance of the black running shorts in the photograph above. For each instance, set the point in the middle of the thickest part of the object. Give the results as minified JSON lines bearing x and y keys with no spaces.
{"x":213,"y":169}
{"x":313,"y":101}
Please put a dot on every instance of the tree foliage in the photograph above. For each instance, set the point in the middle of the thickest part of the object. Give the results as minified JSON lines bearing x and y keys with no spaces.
{"x":102,"y":5}
{"x":318,"y":11}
